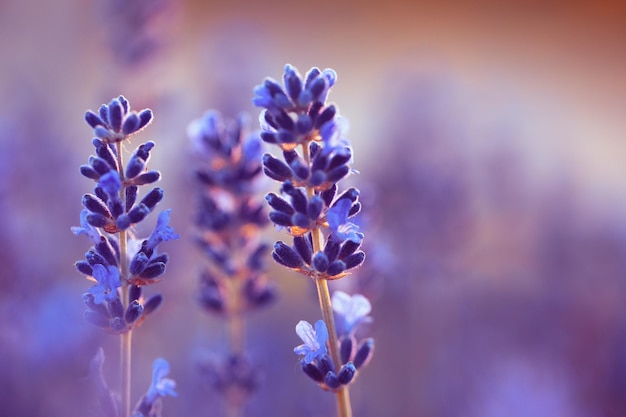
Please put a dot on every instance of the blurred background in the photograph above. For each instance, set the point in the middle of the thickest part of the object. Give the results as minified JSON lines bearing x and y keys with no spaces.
{"x":489,"y":137}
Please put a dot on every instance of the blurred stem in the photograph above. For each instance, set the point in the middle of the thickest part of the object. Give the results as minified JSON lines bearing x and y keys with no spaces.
{"x":343,"y":395}
{"x":126,"y":338}
{"x":236,"y":322}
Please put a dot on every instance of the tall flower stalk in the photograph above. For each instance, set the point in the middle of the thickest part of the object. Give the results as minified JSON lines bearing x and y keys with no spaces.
{"x":229,"y":221}
{"x":315,"y":157}
{"x":118,"y":263}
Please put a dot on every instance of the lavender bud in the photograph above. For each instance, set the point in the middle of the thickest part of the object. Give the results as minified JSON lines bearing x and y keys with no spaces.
{"x":354,"y":260}
{"x":134,"y":293}
{"x":304,"y":248}
{"x":115,"y":115}
{"x":277,"y":168}
{"x":84,"y":268}
{"x":138,"y":213}
{"x":93,"y":119}
{"x":364,"y":353}
{"x":326,"y":364}
{"x":130,"y":125}
{"x":320,"y":261}
{"x":147,"y":178}
{"x":336,"y":268}
{"x":153,"y":270}
{"x":328,"y":194}
{"x":280,"y":219}
{"x":145,"y":117}
{"x":279,"y":204}
{"x":133,"y":312}
{"x":151,"y":199}
{"x":326,"y":115}
{"x":104,"y":151}
{"x":105,"y":249}
{"x":95,"y":205}
{"x":131,"y":196}
{"x":331,"y":249}
{"x":286,"y":256}
{"x":134,"y":167}
{"x":331,"y":380}
{"x":89,"y":172}
{"x":346,"y":373}
{"x":335,"y":174}
{"x":138,"y":263}
{"x":347,"y":248}
{"x":313,"y":372}
{"x":96,"y":220}
{"x":152,"y":304}
{"x":100,"y":165}
{"x":346,"y":348}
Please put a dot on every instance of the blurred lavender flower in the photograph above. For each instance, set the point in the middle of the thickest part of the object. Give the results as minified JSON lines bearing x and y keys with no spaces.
{"x":149,"y":405}
{"x":131,"y":25}
{"x":351,"y":310}
{"x":107,"y":402}
{"x":229,"y":221}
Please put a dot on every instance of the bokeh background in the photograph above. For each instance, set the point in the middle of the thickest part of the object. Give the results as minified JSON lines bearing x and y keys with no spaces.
{"x":489,"y":137}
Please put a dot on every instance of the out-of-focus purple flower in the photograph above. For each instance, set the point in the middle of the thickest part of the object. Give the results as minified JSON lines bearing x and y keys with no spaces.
{"x":162,"y":231}
{"x":86,"y":229}
{"x":160,"y":386}
{"x":150,"y":404}
{"x":314,"y":346}
{"x":352,"y":310}
{"x":108,"y":283}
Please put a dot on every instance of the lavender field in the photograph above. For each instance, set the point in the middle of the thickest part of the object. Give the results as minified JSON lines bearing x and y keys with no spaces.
{"x":487,"y":146}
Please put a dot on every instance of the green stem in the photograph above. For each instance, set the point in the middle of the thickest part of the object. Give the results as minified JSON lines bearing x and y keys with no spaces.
{"x":343,"y":395}
{"x":126,"y":338}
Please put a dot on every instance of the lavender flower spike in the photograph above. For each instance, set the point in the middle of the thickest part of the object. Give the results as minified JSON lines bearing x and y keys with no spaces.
{"x":352,"y":310}
{"x":314,"y":346}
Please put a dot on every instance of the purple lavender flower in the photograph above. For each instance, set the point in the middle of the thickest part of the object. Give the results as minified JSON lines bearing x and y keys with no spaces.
{"x":315,"y":339}
{"x":229,"y":221}
{"x":120,"y":263}
{"x":115,"y":122}
{"x":108,"y":282}
{"x":337,"y":217}
{"x":162,"y":231}
{"x":351,"y":310}
{"x":315,"y":157}
{"x":159,"y":387}
{"x":86,"y":229}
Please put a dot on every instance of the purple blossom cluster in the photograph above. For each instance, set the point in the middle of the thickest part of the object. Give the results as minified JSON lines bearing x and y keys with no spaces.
{"x":325,"y":243}
{"x":119,"y":263}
